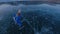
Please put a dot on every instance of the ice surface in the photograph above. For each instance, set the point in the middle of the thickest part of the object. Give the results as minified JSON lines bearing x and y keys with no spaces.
{"x":37,"y":19}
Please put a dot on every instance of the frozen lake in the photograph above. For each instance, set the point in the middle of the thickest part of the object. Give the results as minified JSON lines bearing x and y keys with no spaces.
{"x":40,"y":19}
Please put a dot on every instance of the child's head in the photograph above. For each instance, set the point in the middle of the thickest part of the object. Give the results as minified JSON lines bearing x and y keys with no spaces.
{"x":19,"y":11}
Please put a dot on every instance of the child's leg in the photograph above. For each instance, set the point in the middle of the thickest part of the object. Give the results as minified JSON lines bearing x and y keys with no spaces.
{"x":20,"y":24}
